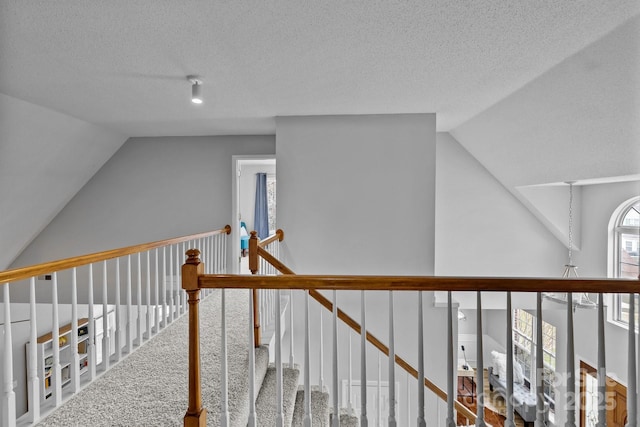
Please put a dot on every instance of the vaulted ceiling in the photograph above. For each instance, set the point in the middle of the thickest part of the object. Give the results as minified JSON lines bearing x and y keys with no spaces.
{"x":512,"y":81}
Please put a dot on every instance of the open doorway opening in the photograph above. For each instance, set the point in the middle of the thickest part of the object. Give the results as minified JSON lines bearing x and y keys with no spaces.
{"x":254,"y":204}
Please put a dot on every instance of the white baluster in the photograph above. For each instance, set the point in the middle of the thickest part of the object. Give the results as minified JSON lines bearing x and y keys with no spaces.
{"x":55,"y":337}
{"x":171,"y":283}
{"x":392,"y":367}
{"x":421,"y":421}
{"x":8,"y":417}
{"x":364,"y":422}
{"x":571,"y":370}
{"x":164,"y":287}
{"x":479,"y":363}
{"x":408,"y":414}
{"x":252,"y":367}
{"x":156,"y":300}
{"x":379,"y":423}
{"x":602,"y":370}
{"x":632,"y":394}
{"x":451,"y":422}
{"x":75,"y":357}
{"x":509,"y":422}
{"x":106,"y":336}
{"x":182,"y":294}
{"x":91,"y":350}
{"x":139,"y":302}
{"x":321,"y":355}
{"x":129,"y":308}
{"x":34,"y":381}
{"x":224,"y":392}
{"x":279,"y":416}
{"x":118,"y":325}
{"x":350,"y":373}
{"x":291,"y":358}
{"x":307,"y":351}
{"x":334,"y":364}
{"x":148,"y":316}
{"x":539,"y":364}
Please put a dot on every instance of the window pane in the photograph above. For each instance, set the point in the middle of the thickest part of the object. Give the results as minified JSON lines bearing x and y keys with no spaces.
{"x":629,"y":255}
{"x":623,"y":308}
{"x":632,"y":218}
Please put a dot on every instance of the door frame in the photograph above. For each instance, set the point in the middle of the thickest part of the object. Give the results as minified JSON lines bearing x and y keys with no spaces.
{"x":236,"y":167}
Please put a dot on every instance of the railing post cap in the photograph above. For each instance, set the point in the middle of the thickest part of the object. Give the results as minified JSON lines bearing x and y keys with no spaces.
{"x":227,"y":228}
{"x":280,"y":234}
{"x":254,"y":234}
{"x":193,"y":256}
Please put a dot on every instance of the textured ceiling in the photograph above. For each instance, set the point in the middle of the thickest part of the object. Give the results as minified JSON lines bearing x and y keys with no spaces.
{"x":122,"y":64}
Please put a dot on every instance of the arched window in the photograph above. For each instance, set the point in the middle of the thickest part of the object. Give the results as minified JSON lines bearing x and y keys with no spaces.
{"x":626,"y":239}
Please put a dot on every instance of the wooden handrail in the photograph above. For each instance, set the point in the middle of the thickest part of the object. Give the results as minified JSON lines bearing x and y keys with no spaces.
{"x":279,"y":235}
{"x":418,"y":283}
{"x":22,"y":273}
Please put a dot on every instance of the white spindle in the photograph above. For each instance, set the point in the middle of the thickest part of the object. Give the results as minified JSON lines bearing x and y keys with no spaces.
{"x":602,"y":370}
{"x":539,"y":363}
{"x":392,"y":367}
{"x":164,"y":287}
{"x":156,"y":287}
{"x":34,"y":381}
{"x":571,"y":370}
{"x":182,"y":301}
{"x":252,"y":366}
{"x":75,"y":357}
{"x":118,"y":325}
{"x":408,"y":399}
{"x":148,"y":317}
{"x":307,"y":351}
{"x":479,"y":364}
{"x":321,"y":352}
{"x":106,"y":336}
{"x":509,"y":422}
{"x":350,"y":373}
{"x":279,"y":415}
{"x":8,"y":417}
{"x":451,"y":422}
{"x":139,"y":301}
{"x":91,"y":347}
{"x":631,"y":360}
{"x":224,"y":392}
{"x":421,"y":421}
{"x":379,"y":423}
{"x":291,"y":358}
{"x":364,"y":422}
{"x":223,"y":266}
{"x":334,"y":364}
{"x":129,"y":308}
{"x":171,"y":283}
{"x":55,"y":337}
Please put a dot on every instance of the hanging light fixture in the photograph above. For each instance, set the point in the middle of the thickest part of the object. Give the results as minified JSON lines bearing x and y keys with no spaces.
{"x":580,"y":300}
{"x":196,"y":89}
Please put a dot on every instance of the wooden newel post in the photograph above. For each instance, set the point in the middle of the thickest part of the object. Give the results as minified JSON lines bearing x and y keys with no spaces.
{"x":253,"y":266}
{"x":196,"y":415}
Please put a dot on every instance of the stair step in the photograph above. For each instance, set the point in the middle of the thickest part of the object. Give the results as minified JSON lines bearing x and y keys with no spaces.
{"x":266,"y":402}
{"x":239,"y":390}
{"x":319,"y":408}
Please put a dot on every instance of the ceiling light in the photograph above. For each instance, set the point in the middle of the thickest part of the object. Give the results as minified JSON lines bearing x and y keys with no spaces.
{"x":196,"y":89}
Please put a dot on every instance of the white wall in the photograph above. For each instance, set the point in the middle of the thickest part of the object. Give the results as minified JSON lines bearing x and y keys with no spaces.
{"x":356,"y":195}
{"x":45,"y":158}
{"x":151,"y":189}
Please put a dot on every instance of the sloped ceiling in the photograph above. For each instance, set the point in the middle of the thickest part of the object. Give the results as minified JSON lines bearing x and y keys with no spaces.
{"x":524,"y":83}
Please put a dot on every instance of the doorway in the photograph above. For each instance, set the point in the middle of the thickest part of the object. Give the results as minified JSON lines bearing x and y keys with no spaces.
{"x":245,"y":170}
{"x":616,"y":399}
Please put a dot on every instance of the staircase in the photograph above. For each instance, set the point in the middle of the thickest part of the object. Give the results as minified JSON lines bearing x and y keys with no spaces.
{"x":292,"y":393}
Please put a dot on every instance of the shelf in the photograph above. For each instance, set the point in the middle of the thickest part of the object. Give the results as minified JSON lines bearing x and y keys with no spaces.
{"x":62,"y":331}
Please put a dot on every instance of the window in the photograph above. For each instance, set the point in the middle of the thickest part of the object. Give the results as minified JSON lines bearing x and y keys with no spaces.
{"x":271,"y":202}
{"x":626,"y":231}
{"x":524,"y":350}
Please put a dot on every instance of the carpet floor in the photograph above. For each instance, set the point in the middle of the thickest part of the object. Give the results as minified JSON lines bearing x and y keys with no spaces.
{"x":150,"y":388}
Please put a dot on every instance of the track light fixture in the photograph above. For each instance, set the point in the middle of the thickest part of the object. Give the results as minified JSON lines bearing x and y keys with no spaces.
{"x":196,"y":89}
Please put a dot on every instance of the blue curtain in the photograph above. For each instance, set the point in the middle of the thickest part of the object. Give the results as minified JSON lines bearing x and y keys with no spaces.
{"x":261,"y":217}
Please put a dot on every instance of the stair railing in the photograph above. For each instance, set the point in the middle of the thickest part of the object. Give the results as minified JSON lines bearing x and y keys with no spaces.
{"x":149,"y":274}
{"x":194,"y":280}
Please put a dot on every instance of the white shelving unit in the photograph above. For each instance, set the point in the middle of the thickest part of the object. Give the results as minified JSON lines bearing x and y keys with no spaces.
{"x":45,"y":357}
